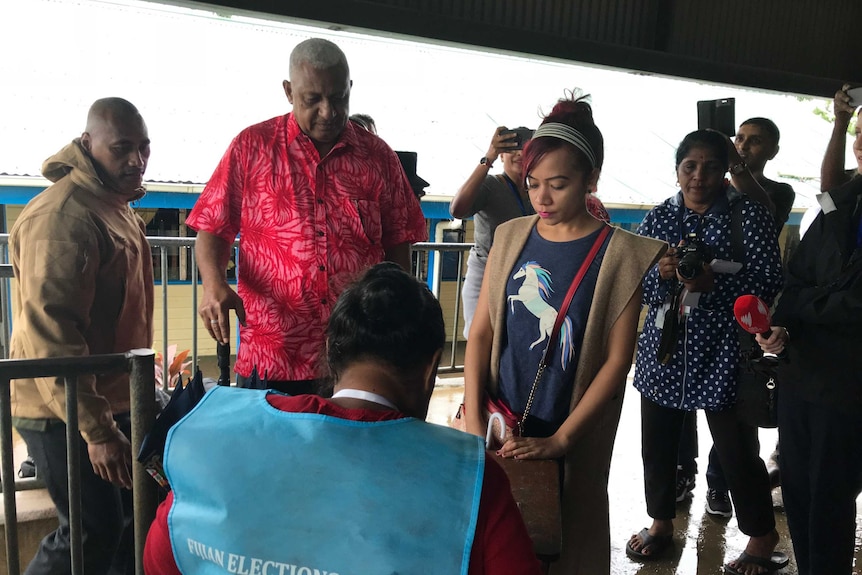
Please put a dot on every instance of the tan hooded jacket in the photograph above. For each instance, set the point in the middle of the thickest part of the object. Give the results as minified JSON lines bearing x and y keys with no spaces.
{"x":84,"y":286}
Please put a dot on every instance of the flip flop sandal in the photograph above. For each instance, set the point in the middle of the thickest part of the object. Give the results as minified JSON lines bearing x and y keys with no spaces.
{"x":657,"y":545}
{"x":775,"y":562}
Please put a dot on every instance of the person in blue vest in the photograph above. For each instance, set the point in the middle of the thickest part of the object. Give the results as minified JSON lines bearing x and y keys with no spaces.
{"x":358,"y":483}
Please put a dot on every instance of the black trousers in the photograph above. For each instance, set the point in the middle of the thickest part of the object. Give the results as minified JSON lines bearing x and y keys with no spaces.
{"x":688,"y":451}
{"x":106,"y":510}
{"x":821,"y":477}
{"x":688,"y":448}
{"x":736,"y":444}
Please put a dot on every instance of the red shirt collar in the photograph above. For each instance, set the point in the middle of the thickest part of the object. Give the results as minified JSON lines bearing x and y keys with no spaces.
{"x":348,"y":135}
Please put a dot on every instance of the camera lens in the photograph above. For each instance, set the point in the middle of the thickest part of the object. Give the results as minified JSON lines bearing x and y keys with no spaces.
{"x":690,"y":266}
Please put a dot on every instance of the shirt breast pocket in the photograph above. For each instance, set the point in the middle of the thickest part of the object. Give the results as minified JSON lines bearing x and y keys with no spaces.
{"x":364,"y":217}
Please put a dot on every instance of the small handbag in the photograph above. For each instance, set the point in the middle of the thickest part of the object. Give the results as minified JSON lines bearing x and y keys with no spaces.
{"x":757,"y":390}
{"x":515,"y":424}
{"x":490,"y":406}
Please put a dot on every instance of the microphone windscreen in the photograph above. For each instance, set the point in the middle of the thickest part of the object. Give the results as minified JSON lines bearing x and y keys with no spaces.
{"x":752,"y":314}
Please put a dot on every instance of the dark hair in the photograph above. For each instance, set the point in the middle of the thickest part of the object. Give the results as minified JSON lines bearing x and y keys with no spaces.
{"x":767,"y":126}
{"x":364,"y":120}
{"x":388,"y":315}
{"x":578,"y":114}
{"x":714,"y":141}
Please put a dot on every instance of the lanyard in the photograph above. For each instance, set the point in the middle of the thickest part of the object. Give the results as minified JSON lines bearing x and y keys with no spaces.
{"x":366,"y":396}
{"x":682,"y":218}
{"x":515,"y":191}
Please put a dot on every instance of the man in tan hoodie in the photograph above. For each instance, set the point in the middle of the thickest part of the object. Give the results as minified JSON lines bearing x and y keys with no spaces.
{"x":84,"y":287}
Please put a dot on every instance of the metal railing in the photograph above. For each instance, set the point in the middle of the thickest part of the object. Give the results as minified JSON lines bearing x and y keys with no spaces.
{"x":427,"y":248}
{"x":140,"y":365}
{"x":425,"y":251}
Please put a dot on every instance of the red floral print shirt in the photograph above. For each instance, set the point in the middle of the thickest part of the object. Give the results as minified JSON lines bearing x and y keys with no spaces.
{"x":307,"y":227}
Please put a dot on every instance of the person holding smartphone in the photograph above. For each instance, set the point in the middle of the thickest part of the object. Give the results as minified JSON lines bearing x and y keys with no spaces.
{"x":491,"y":200}
{"x":832,"y":171}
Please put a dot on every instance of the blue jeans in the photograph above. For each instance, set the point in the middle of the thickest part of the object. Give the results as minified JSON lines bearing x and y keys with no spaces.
{"x":106,"y":510}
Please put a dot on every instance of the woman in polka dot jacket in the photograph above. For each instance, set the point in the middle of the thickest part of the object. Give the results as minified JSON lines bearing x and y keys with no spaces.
{"x":699,"y":372}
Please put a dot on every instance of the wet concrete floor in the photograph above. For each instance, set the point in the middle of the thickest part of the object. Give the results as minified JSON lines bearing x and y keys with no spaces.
{"x":702,"y":543}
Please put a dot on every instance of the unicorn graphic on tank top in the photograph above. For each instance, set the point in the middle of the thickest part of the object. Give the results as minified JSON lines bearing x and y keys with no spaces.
{"x":535,"y":289}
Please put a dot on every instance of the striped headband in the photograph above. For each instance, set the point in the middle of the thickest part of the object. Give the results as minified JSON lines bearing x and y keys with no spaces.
{"x":569,"y":134}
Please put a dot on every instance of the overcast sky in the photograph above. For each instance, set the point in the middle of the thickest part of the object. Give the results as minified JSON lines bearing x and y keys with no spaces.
{"x":199,"y":79}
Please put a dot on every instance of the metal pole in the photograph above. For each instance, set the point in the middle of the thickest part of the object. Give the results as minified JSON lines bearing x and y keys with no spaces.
{"x":194,"y":312}
{"x":13,"y":565}
{"x":73,"y":468}
{"x":142,"y":383}
{"x":166,"y":376}
{"x":457,"y":310}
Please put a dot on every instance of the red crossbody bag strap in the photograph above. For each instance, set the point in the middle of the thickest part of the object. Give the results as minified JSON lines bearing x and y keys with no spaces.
{"x":564,"y":309}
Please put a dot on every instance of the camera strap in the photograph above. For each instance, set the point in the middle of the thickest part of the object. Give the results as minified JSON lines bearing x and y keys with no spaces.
{"x":736,"y":246}
{"x":747,"y":345}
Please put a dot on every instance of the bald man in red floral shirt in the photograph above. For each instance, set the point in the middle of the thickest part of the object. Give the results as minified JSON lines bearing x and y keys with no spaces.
{"x":315,"y":201}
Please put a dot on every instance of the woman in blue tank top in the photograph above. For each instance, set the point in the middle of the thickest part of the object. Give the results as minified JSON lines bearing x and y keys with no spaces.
{"x":575,"y":406}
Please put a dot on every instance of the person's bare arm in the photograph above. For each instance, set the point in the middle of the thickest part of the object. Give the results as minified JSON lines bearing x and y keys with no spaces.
{"x":832,"y":172}
{"x":477,"y":360}
{"x":461,"y":205}
{"x":745,"y":182}
{"x":212,"y":254}
{"x":400,"y":254}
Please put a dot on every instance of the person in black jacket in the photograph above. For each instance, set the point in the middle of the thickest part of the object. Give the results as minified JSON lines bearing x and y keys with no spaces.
{"x":820,"y":429}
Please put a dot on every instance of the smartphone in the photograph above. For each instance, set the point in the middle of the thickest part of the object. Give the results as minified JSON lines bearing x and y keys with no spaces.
{"x":717,"y":115}
{"x":522,"y":136}
{"x":855,"y":96}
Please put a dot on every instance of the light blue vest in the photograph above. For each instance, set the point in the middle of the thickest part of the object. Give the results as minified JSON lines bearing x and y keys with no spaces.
{"x":259,"y":491}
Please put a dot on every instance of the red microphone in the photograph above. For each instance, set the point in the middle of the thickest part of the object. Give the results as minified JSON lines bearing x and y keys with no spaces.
{"x":753,"y":315}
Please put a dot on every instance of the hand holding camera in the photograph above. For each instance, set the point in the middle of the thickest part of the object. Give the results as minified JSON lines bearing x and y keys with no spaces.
{"x":667,"y":263}
{"x":693,"y":268}
{"x":689,"y":263}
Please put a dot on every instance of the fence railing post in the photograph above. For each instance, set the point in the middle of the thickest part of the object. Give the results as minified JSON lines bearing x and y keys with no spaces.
{"x":73,"y":468}
{"x":143,"y":407}
{"x":7,"y":472}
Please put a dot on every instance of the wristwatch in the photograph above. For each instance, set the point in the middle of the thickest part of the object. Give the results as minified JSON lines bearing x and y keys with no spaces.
{"x":486,"y":162}
{"x":737,"y":169}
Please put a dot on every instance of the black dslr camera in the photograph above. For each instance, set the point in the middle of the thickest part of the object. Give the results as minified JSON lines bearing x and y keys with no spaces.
{"x":693,"y":255}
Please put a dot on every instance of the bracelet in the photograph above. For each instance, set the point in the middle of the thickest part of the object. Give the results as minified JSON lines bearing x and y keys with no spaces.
{"x":486,"y":162}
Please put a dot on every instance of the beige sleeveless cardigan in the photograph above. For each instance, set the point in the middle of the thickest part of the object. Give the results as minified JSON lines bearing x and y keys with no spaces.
{"x":586,"y":529}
